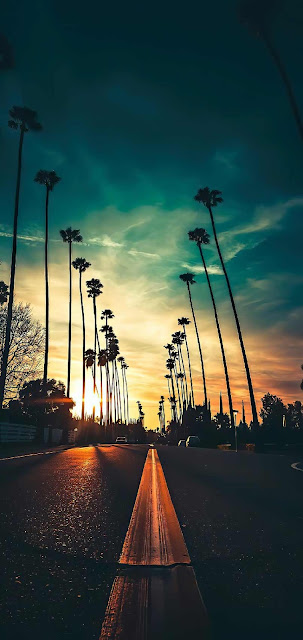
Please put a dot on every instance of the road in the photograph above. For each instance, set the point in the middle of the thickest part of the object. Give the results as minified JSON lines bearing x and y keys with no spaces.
{"x":63,"y":522}
{"x":242,"y":520}
{"x":65,"y":516}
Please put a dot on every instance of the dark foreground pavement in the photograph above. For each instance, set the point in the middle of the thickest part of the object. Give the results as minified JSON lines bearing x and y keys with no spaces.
{"x":63,"y":522}
{"x":242,"y":519}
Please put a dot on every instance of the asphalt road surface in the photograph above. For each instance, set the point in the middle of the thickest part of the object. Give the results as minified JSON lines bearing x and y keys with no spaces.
{"x":64,"y":518}
{"x":63,"y":522}
{"x":242,"y":519}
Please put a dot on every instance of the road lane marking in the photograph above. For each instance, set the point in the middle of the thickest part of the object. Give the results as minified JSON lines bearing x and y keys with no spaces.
{"x":162,"y":543}
{"x":155,"y":593}
{"x":39,"y":453}
{"x":295,"y":466}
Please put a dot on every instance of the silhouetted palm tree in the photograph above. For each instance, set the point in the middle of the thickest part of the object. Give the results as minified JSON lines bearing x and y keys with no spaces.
{"x":25,"y":120}
{"x":257,"y":15}
{"x":3,"y":292}
{"x":124,"y":369}
{"x":70,"y":235}
{"x":178,"y":340}
{"x":6,"y":54}
{"x":122,"y":362}
{"x":201,"y":237}
{"x":81,"y":265}
{"x":210,"y":199}
{"x":170,"y":365}
{"x":188,"y":278}
{"x":102,"y":360}
{"x":49,"y":179}
{"x":107,"y":315}
{"x":184,"y":322}
{"x":94,"y":287}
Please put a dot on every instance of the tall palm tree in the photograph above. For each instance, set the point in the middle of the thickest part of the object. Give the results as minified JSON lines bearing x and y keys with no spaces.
{"x":211,"y":199}
{"x":184,"y":322}
{"x":81,"y":265}
{"x":124,"y":368}
{"x":102,"y":360}
{"x":48,"y":179}
{"x":201,"y":237}
{"x":94,"y":287}
{"x":25,"y":120}
{"x":107,"y":315}
{"x":188,"y":278}
{"x":163,"y":410}
{"x":170,"y":365}
{"x":70,"y":236}
{"x":257,"y":15}
{"x":178,"y":340}
{"x":122,"y":362}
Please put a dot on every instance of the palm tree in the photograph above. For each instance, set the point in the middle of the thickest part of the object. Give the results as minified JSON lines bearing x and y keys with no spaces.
{"x":178,"y":339}
{"x":257,"y":15}
{"x":107,"y":315}
{"x":170,"y":365}
{"x":210,"y":199}
{"x":49,"y":179}
{"x":124,"y":367}
{"x":3,"y":292}
{"x":188,"y":278}
{"x":70,"y":235}
{"x":201,"y":237}
{"x":122,"y":362}
{"x":25,"y":120}
{"x":81,"y":265}
{"x":163,"y":410}
{"x":102,"y":360}
{"x":184,"y":322}
{"x":94,"y":287}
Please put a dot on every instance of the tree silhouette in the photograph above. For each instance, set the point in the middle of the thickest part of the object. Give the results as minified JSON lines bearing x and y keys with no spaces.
{"x":94,"y":287}
{"x":178,"y":341}
{"x":24,"y":120}
{"x":184,"y":322}
{"x":81,"y":265}
{"x":257,"y":15}
{"x":70,"y":235}
{"x":3,"y":292}
{"x":201,"y":237}
{"x":49,"y":179}
{"x":107,"y":315}
{"x":188,"y":278}
{"x":210,"y":199}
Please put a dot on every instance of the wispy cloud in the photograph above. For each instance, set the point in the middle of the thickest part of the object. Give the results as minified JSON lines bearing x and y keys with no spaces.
{"x":213,"y":269}
{"x":145,"y":254}
{"x":104,"y":241}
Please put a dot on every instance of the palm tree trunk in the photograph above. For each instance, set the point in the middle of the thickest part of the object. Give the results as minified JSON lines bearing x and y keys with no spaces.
{"x":178,"y":391}
{"x":285,"y":79}
{"x":70,"y":320}
{"x":184,"y":373}
{"x":174,"y":396}
{"x":46,"y":292}
{"x":12,"y":278}
{"x":127,"y":399}
{"x":83,"y":347}
{"x":163,"y":413}
{"x":95,"y":349}
{"x":123,"y":391}
{"x":249,"y":382}
{"x":189,"y":367}
{"x":232,"y":422}
{"x":199,"y":344}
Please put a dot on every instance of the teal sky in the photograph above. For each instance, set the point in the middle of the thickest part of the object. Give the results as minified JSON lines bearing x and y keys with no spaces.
{"x":140,"y":106}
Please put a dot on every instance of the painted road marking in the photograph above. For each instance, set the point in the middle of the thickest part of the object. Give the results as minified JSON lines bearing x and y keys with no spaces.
{"x":162,"y":543}
{"x":295,"y":466}
{"x":39,"y":453}
{"x":155,"y":594}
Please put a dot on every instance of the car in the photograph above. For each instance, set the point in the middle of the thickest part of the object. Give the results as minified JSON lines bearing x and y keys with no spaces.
{"x":181,"y":443}
{"x":193,"y":441}
{"x":121,"y":440}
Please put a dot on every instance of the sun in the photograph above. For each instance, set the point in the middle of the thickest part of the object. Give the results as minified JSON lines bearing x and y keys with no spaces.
{"x":91,"y":399}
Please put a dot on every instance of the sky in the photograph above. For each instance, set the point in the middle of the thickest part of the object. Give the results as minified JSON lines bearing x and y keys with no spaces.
{"x":141,"y":105}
